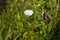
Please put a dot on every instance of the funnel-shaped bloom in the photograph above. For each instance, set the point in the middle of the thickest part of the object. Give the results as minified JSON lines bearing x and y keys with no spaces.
{"x":58,"y":6}
{"x":45,"y":17}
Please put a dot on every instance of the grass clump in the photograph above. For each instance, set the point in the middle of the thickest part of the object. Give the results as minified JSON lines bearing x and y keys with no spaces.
{"x":43,"y":24}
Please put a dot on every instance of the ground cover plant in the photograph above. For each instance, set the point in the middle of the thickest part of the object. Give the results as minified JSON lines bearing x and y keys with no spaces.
{"x":30,"y":20}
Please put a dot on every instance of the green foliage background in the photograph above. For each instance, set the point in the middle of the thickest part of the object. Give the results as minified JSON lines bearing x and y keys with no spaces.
{"x":15,"y":25}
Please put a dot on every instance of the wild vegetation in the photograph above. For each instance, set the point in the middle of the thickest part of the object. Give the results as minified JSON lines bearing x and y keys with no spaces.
{"x":30,"y":20}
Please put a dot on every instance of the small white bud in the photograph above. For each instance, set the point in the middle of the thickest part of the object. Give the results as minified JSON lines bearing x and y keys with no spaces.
{"x":37,"y":5}
{"x":42,"y":13}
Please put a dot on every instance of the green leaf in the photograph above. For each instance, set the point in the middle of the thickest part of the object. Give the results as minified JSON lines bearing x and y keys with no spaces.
{"x":18,"y":17}
{"x":20,"y":26}
{"x":25,"y":34}
{"x":40,"y":2}
{"x":22,"y":0}
{"x":15,"y":1}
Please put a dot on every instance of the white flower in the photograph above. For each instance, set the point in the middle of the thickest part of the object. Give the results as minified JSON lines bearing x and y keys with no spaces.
{"x":28,"y":12}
